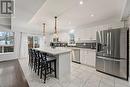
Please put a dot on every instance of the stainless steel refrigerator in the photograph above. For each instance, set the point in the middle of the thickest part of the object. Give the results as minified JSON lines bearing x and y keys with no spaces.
{"x":112,"y":52}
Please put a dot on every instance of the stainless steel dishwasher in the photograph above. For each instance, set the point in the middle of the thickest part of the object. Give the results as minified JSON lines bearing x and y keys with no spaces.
{"x":76,"y":55}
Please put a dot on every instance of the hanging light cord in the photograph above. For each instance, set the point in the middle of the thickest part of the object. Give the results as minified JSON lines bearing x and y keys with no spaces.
{"x":55,"y":25}
{"x":44,"y":29}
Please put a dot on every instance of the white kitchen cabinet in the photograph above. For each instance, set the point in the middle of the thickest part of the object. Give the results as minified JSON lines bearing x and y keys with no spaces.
{"x":88,"y":57}
{"x":82,"y":56}
{"x":76,"y":55}
{"x":91,"y":58}
{"x":82,"y":35}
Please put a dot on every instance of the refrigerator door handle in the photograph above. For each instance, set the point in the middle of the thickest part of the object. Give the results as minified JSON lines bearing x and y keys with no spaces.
{"x":105,"y":58}
{"x":118,"y":60}
{"x":111,"y":59}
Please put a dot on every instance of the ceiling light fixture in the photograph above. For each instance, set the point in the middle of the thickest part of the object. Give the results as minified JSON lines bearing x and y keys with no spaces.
{"x":69,"y":22}
{"x":81,"y":2}
{"x":55,"y":35}
{"x":44,"y":29}
{"x":92,"y":15}
{"x":71,"y":31}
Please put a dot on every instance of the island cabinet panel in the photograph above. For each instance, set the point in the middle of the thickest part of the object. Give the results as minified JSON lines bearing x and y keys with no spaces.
{"x":63,"y":65}
{"x":88,"y":57}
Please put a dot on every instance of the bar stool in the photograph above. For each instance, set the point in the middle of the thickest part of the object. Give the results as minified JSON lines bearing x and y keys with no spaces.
{"x":30,"y":51}
{"x":33,"y":58}
{"x":30,"y":57}
{"x":46,"y":65}
{"x":36,"y":61}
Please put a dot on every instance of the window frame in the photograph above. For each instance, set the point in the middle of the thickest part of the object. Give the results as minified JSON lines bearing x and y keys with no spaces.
{"x":13,"y":45}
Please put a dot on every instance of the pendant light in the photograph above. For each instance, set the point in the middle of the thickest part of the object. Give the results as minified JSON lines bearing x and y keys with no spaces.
{"x":55,"y":35}
{"x":44,"y":29}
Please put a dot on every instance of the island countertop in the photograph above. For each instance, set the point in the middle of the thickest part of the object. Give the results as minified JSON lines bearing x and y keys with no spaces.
{"x":54,"y":51}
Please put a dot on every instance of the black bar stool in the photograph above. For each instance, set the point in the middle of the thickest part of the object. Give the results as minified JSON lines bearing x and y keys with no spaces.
{"x":33,"y":58}
{"x":46,"y":65}
{"x":37,"y":61}
{"x":30,"y":51}
{"x":30,"y":57}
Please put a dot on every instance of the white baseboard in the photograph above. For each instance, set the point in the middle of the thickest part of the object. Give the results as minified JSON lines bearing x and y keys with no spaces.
{"x":7,"y":59}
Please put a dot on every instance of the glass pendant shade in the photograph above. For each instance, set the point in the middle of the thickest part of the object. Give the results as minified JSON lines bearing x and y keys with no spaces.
{"x":55,"y":35}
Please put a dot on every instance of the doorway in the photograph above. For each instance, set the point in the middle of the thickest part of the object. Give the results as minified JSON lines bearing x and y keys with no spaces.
{"x":33,"y":42}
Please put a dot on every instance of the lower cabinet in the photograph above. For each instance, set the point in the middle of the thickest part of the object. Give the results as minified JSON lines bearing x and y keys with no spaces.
{"x":88,"y":57}
{"x":76,"y":55}
{"x":82,"y":56}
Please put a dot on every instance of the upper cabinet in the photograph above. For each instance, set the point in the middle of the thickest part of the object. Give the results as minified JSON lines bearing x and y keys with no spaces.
{"x":85,"y":35}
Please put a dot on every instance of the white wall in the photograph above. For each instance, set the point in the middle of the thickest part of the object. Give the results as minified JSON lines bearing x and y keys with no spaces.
{"x":24,"y":43}
{"x":64,"y":37}
{"x":42,"y":41}
{"x":48,"y":39}
{"x":24,"y":46}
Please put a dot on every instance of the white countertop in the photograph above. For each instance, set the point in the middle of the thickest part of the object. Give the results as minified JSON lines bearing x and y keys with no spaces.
{"x":55,"y":51}
{"x":71,"y":48}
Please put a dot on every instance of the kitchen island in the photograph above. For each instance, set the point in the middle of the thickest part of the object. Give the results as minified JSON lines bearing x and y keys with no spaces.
{"x":63,"y":60}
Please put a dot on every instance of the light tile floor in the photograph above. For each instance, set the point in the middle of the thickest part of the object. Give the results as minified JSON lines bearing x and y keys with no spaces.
{"x":81,"y":76}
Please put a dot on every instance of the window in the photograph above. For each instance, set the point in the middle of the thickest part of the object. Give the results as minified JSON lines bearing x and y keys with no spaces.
{"x":72,"y":38}
{"x":6,"y":42}
{"x":33,"y":42}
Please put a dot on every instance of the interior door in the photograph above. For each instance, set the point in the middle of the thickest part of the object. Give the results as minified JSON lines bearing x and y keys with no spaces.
{"x":30,"y":42}
{"x":33,"y":42}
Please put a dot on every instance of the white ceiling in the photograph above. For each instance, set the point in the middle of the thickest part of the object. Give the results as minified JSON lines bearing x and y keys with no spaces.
{"x":24,"y":11}
{"x":126,"y":9}
{"x":30,"y":14}
{"x":71,"y":14}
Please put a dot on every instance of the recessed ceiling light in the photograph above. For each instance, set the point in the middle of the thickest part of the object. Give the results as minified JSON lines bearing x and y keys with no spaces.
{"x":71,"y":31}
{"x":69,"y":22}
{"x":92,"y":15}
{"x":81,"y":2}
